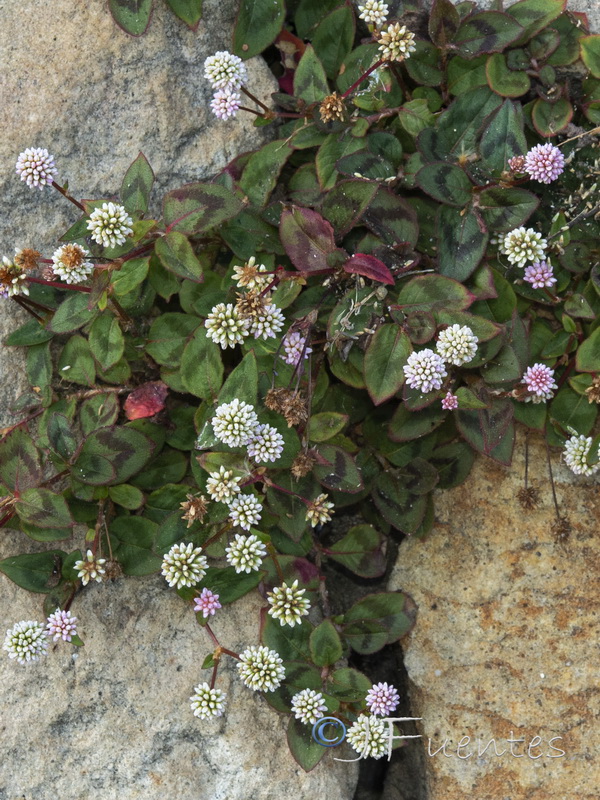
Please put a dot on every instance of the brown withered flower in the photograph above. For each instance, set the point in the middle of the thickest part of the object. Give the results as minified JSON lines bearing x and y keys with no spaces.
{"x":303,"y":463}
{"x":593,"y":392}
{"x":276,"y":398}
{"x":561,"y":529}
{"x":27,"y":259}
{"x":295,"y":409}
{"x":112,"y":569}
{"x":332,"y":108}
{"x":194,"y":508}
{"x":529,"y":497}
{"x":250,"y":304}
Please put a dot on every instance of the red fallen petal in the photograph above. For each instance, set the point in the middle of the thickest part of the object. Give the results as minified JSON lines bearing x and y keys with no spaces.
{"x":146,"y":401}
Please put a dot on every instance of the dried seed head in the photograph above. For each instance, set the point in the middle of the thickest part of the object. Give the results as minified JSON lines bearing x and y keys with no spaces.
{"x":593,"y":392}
{"x":113,"y":569}
{"x":27,"y":259}
{"x":276,"y":398}
{"x":194,"y":508}
{"x":250,"y":304}
{"x":561,"y":529}
{"x":529,"y":497}
{"x":332,"y":108}
{"x":303,"y":463}
{"x":295,"y":409}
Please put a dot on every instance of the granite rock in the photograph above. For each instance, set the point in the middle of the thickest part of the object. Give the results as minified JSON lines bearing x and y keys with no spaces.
{"x":506,"y":640}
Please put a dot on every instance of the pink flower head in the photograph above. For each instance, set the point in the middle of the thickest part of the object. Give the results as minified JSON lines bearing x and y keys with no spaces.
{"x":382,"y":699}
{"x":544,"y":163}
{"x":61,"y":625}
{"x":225,"y":103}
{"x":207,"y":603}
{"x":516,"y":163}
{"x":450,"y":402}
{"x":294,"y":346}
{"x":539,"y":275}
{"x":36,"y":167}
{"x":539,"y":380}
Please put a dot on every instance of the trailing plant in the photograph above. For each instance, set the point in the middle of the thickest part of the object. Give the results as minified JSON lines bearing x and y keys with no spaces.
{"x":338,"y":322}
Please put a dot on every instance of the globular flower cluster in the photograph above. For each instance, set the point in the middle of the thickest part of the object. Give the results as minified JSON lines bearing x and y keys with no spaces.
{"x":450,"y":402}
{"x":368,"y":736}
{"x":226,"y":74}
{"x":425,"y":370}
{"x":110,"y":225}
{"x":308,"y":706}
{"x":544,"y":163}
{"x":267,"y":322}
{"x":266,"y":444}
{"x":246,"y":553}
{"x":222,"y":486}
{"x":13,"y":280}
{"x":61,"y":625}
{"x":184,"y":565}
{"x":539,"y":381}
{"x":36,"y":167}
{"x":234,"y":423}
{"x":522,"y":245}
{"x":90,"y":568}
{"x":540,"y":275}
{"x":373,"y":12}
{"x":577,"y":450}
{"x":70,"y":263}
{"x":382,"y":699}
{"x":295,"y":348}
{"x":225,"y":326}
{"x":244,"y":510}
{"x":318,"y":510}
{"x":26,"y":641}
{"x":396,"y":43}
{"x":261,"y":669}
{"x":251,"y":275}
{"x":207,"y":603}
{"x":207,"y":702}
{"x":288,"y":604}
{"x":457,"y":344}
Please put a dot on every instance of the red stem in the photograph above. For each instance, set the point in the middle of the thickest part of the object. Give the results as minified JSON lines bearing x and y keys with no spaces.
{"x":362,"y":77}
{"x":58,"y":285}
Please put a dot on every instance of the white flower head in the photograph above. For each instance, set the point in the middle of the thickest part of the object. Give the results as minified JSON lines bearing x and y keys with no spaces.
{"x":184,"y":565}
{"x":318,"y":511}
{"x":26,"y":641}
{"x":90,"y":568}
{"x":244,"y":510}
{"x":373,"y":11}
{"x":261,"y":669}
{"x":222,"y":486}
{"x":266,"y":444}
{"x":207,"y":702}
{"x":61,"y":625}
{"x":287,"y":604}
{"x":110,"y":224}
{"x":246,"y":553}
{"x":251,"y":275}
{"x":369,"y":736}
{"x":13,"y":280}
{"x":424,"y":370}
{"x":396,"y":43}
{"x":225,"y":326}
{"x":36,"y":167}
{"x":70,"y":263}
{"x":267,"y":322}
{"x":308,"y":706}
{"x":576,"y":453}
{"x":522,"y":245}
{"x":234,"y":423}
{"x":225,"y":70}
{"x":457,"y":344}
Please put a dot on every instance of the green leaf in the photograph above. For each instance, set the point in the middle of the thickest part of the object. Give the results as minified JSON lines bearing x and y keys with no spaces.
{"x":126,"y":496}
{"x":504,"y":209}
{"x":333,"y":39}
{"x":464,"y":75}
{"x":124,"y":449}
{"x":535,"y":15}
{"x":453,"y":463}
{"x":228,"y":584}
{"x":292,"y":643}
{"x":189,"y":11}
{"x":446,"y":183}
{"x":106,"y":340}
{"x":590,"y":53}
{"x":407,"y":425}
{"x":242,"y":382}
{"x":349,"y":685}
{"x":346,"y":202}
{"x":391,"y":218}
{"x":168,"y":336}
{"x":377,"y":620}
{"x":572,"y":410}
{"x":305,"y":750}
{"x":262,"y":171}
{"x":309,"y":13}
{"x":98,"y":412}
{"x":433,"y":292}
{"x":258,"y":23}
{"x":588,"y":353}
{"x":325,"y":425}
{"x":133,"y":541}
{"x":33,"y":571}
{"x":395,"y":503}
{"x":461,"y":243}
{"x":71,"y":314}
{"x":201,"y":367}
{"x":339,"y":472}
{"x":361,"y":551}
{"x":199,"y":207}
{"x":444,"y":21}
{"x":39,"y":365}
{"x":170,"y":466}
{"x":20,"y":465}
{"x":76,"y":363}
{"x":44,"y":509}
{"x":137,"y":185}
{"x":386,"y":354}
{"x":132,"y":16}
{"x":491,"y":430}
{"x":468,"y":400}
{"x":177,"y":255}
{"x":333,"y":149}
{"x":325,"y":644}
{"x":424,"y":64}
{"x":130,"y":275}
{"x":551,"y":118}
{"x":486,"y":32}
{"x":310,"y":80}
{"x":504,"y":81}
{"x":61,"y":436}
{"x":30,"y":333}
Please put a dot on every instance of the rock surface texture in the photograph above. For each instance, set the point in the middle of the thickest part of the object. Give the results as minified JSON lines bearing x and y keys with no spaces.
{"x":506,"y":640}
{"x":112,"y":719}
{"x":77,"y":85}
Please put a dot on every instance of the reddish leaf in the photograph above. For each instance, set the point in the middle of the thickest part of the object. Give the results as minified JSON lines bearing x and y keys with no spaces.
{"x":146,"y":401}
{"x":370,"y":267}
{"x":307,"y":238}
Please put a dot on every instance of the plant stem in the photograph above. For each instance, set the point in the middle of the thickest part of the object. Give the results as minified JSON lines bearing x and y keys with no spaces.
{"x":19,"y":301}
{"x":57,"y":285}
{"x":273,"y":553}
{"x":64,"y":193}
{"x":366,"y":74}
{"x":254,"y":99}
{"x":252,"y":111}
